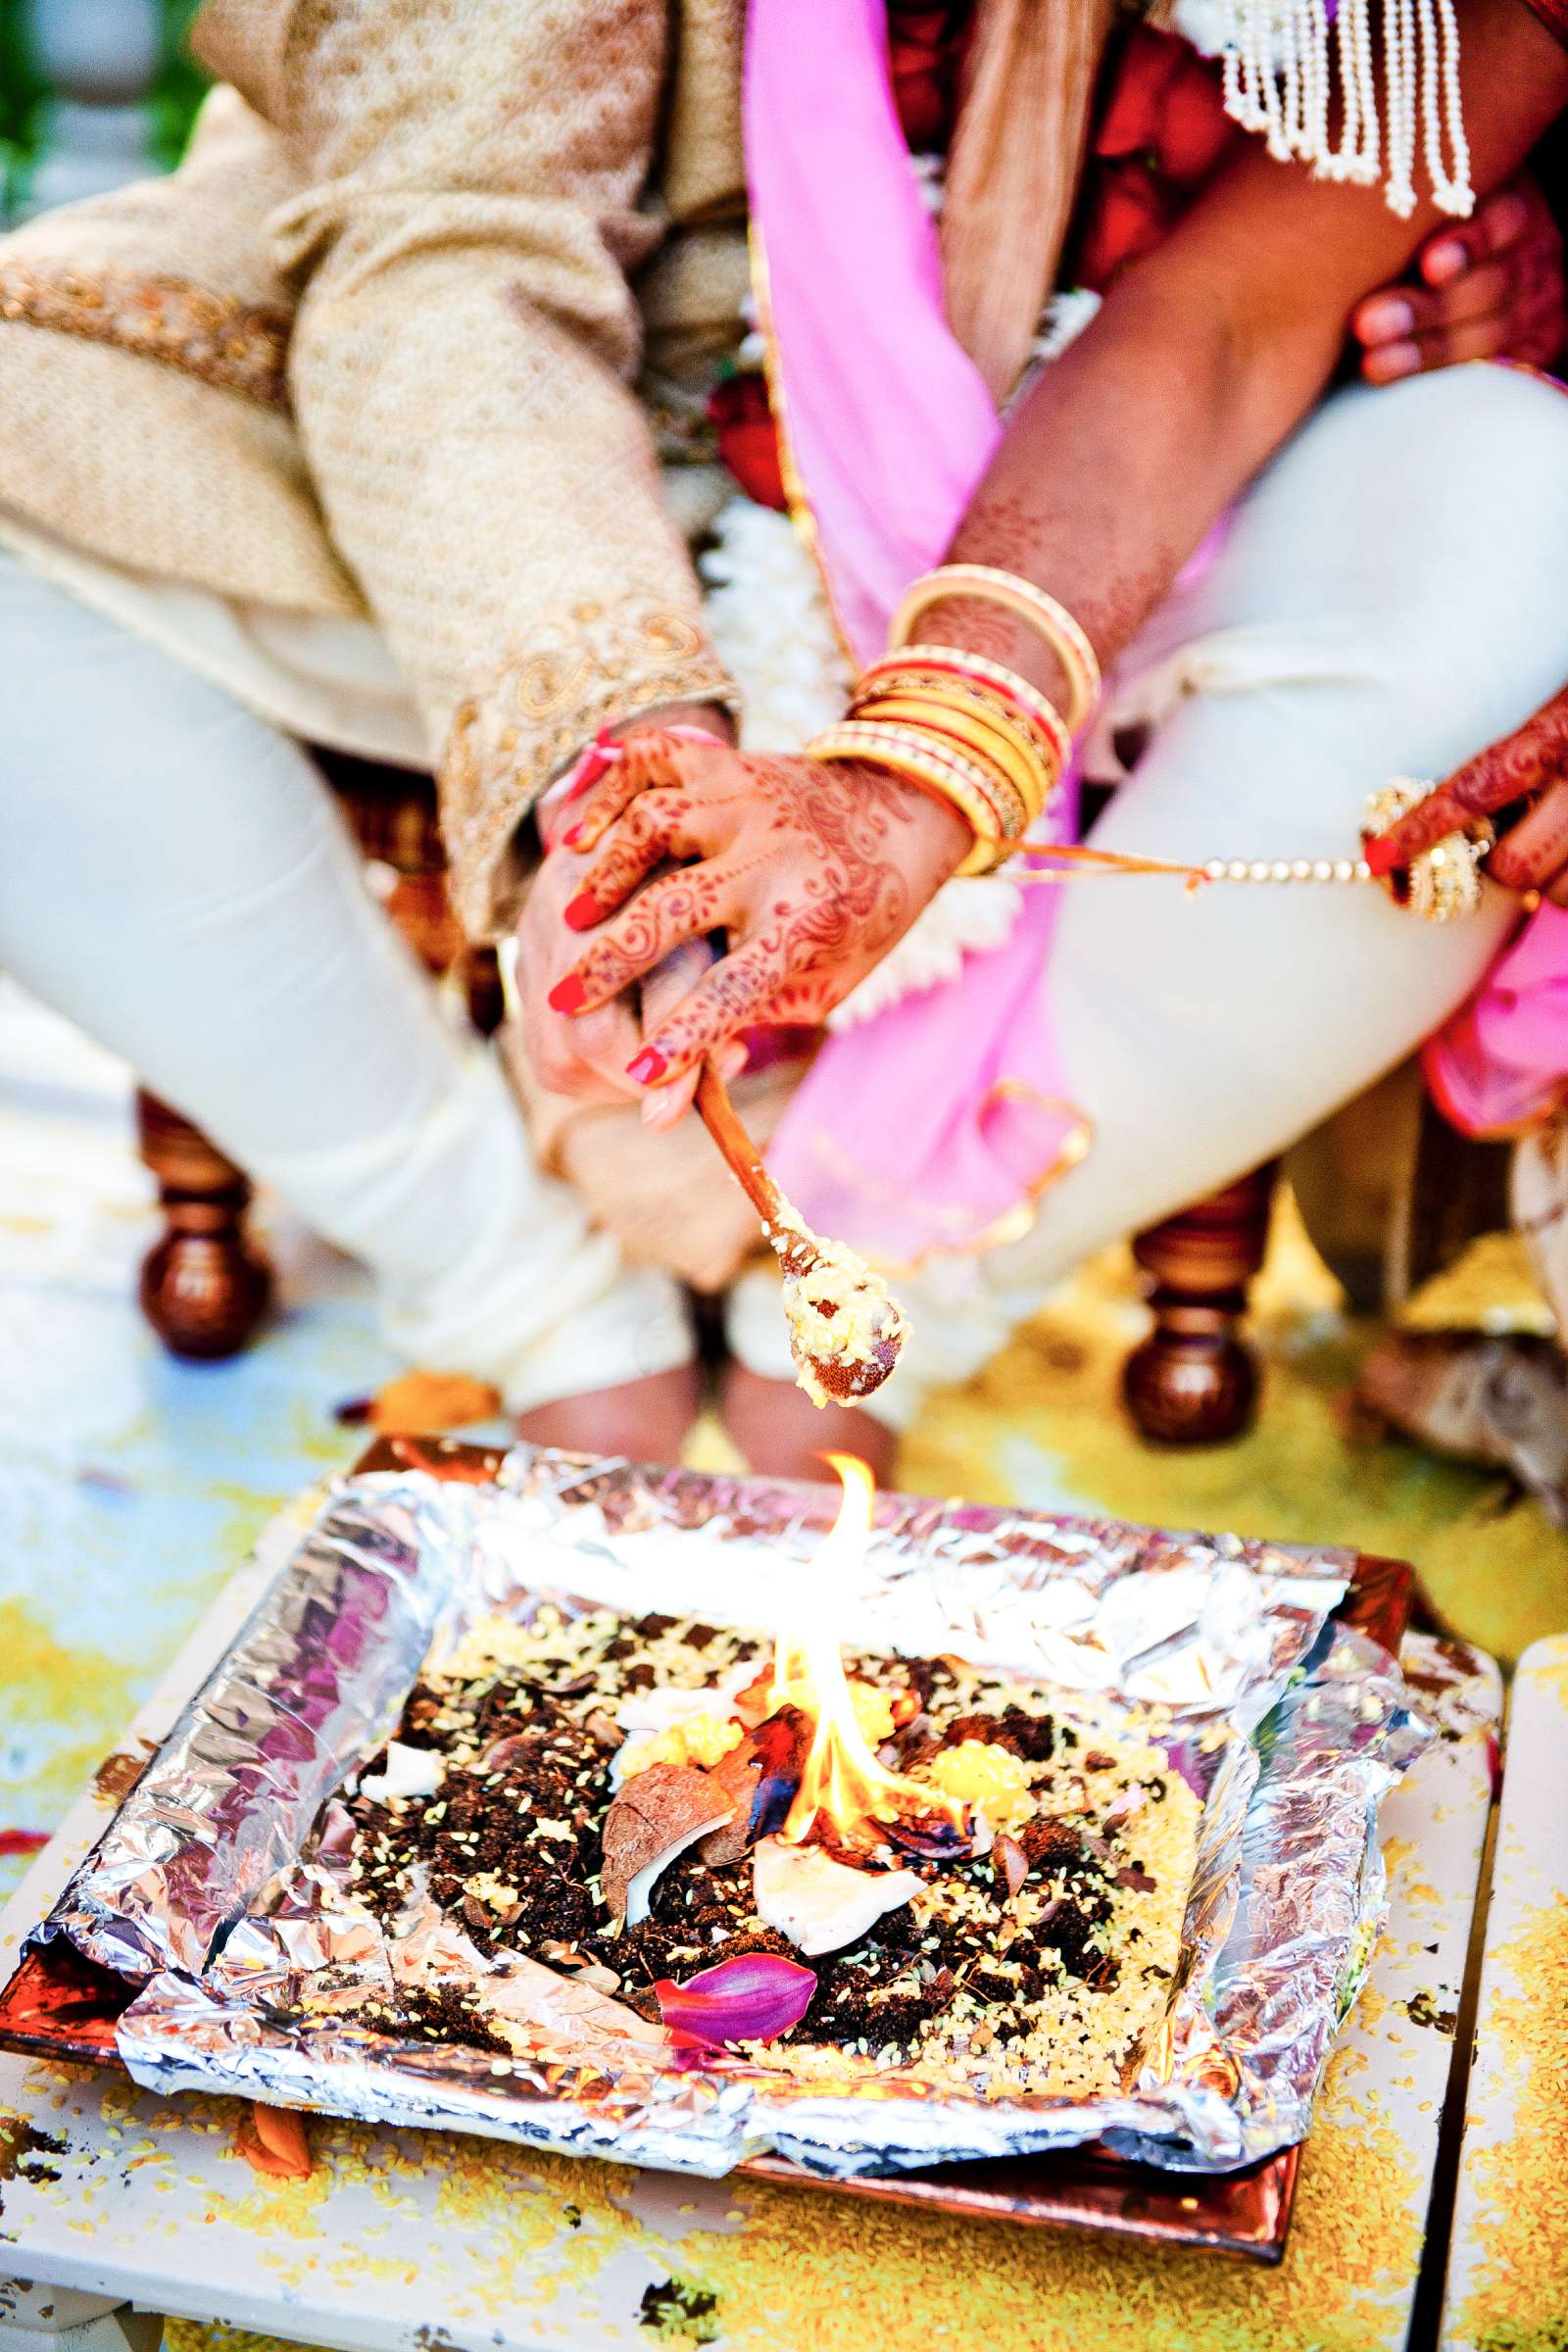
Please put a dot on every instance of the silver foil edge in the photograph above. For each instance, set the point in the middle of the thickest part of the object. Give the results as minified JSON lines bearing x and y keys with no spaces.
{"x":205,"y":1881}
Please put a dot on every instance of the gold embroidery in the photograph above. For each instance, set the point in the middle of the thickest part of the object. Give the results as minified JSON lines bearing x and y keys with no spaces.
{"x":600,"y":667}
{"x":237,"y":346}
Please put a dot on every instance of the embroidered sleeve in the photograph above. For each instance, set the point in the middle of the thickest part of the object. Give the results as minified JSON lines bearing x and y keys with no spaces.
{"x":239,"y":346}
{"x":598,"y":667}
{"x":460,"y":365}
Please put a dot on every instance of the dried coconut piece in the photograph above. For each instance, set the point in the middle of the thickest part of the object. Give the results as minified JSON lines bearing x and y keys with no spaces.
{"x":409,"y":1772}
{"x":819,"y":1904}
{"x":656,"y":1815}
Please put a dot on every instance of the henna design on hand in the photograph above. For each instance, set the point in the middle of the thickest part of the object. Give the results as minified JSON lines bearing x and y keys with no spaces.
{"x":1532,"y":852}
{"x":1534,"y":756}
{"x":813,"y":868}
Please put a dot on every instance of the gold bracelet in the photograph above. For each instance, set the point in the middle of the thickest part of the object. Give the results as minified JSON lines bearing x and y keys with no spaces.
{"x":918,"y":668}
{"x":995,"y":742}
{"x":1050,"y":620}
{"x":913,"y":756}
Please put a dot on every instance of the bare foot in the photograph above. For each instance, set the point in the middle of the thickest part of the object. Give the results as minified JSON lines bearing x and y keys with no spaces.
{"x":648,"y":1420}
{"x":784,"y":1435}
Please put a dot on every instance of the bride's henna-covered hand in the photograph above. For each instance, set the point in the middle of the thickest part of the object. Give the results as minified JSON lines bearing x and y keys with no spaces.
{"x":811,"y":871}
{"x":1533,"y":852}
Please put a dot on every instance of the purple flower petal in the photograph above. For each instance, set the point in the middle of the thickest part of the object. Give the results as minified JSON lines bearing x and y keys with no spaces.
{"x":754,"y":1998}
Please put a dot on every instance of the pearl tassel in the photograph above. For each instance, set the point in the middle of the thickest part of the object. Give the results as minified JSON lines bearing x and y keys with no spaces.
{"x":1278,"y":82}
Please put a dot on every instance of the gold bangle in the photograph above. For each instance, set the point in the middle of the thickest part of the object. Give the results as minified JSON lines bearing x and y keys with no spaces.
{"x":911,"y":757}
{"x":1049,"y":619}
{"x":1021,"y":732}
{"x":986,"y":793}
{"x":1007,"y":798}
{"x":919,"y":668}
{"x":995,"y":743}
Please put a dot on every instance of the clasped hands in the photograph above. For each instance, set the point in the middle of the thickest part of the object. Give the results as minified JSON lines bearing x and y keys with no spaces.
{"x":695,"y":893}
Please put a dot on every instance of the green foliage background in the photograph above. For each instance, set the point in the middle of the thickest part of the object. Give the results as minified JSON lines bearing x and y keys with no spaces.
{"x":26,"y":99}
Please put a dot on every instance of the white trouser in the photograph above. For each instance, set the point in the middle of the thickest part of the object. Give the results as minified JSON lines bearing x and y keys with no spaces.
{"x":177,"y":883}
{"x":176,"y":880}
{"x":1387,"y":602}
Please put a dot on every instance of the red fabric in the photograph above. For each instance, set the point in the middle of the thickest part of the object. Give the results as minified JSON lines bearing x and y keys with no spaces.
{"x":747,"y":438}
{"x":1554,"y":14}
{"x":1161,"y":131}
{"x":926,"y":48}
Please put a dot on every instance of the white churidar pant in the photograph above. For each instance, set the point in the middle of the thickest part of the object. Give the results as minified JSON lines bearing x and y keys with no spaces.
{"x":1387,"y":599}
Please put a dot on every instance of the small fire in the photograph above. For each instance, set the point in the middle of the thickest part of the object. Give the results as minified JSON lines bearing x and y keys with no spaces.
{"x":841,"y":1779}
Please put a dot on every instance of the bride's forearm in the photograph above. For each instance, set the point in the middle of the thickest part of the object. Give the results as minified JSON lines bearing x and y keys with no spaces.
{"x":1113,"y":470}
{"x":1204,"y":358}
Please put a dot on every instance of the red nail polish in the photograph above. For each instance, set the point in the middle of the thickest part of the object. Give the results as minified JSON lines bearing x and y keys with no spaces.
{"x":570,"y":838}
{"x":647,"y":1067}
{"x":583,"y":912}
{"x":567,"y":996}
{"x":1381,"y":856}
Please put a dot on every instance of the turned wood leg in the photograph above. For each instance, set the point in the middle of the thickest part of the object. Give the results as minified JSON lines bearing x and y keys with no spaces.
{"x":203,"y":1287}
{"x":481,"y":985}
{"x":1194,"y":1380}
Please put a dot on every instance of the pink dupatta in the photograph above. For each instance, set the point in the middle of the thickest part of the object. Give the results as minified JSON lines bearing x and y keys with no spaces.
{"x":932,"y":1126}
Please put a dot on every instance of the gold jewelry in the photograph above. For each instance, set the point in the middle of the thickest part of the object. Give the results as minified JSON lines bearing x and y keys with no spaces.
{"x":1045,"y":752}
{"x":1444,"y":880}
{"x":1050,"y":620}
{"x":990,"y":736}
{"x":975,"y":674}
{"x":917,"y":758}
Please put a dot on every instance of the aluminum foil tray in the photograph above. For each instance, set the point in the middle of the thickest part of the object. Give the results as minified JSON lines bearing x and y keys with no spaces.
{"x":188,"y":1941}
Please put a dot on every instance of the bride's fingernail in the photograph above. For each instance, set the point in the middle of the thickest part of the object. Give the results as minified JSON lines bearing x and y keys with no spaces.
{"x":648,"y":1067}
{"x":583,"y":912}
{"x":570,"y":838}
{"x":1381,"y":856}
{"x":567,"y":996}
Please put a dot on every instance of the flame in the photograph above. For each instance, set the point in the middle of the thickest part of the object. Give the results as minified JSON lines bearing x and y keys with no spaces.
{"x":841,"y":1779}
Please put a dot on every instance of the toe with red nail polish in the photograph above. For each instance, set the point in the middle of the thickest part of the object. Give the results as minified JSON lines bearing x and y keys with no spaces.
{"x":568,"y":995}
{"x":647,"y":1067}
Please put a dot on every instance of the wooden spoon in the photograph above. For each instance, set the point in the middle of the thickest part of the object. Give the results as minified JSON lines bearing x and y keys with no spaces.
{"x":845,"y":1329}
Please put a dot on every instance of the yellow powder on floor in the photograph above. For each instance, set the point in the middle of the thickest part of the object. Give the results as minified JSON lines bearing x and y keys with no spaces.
{"x":1519,"y":2301}
{"x":805,"y":2273}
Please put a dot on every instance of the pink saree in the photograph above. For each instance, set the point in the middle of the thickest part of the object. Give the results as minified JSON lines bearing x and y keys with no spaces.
{"x":933,"y":1127}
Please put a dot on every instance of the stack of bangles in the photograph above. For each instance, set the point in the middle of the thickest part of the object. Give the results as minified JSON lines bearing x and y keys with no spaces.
{"x":984,"y":740}
{"x":966,"y":730}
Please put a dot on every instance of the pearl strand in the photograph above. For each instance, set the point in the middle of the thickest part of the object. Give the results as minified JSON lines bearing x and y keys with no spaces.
{"x":1287,"y":869}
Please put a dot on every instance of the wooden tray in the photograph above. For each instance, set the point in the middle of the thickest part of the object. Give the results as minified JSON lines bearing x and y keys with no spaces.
{"x":58,"y":2005}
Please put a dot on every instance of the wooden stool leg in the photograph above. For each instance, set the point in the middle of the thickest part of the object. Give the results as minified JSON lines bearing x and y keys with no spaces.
{"x":1194,"y":1380}
{"x":481,"y":985}
{"x":204,"y":1288}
